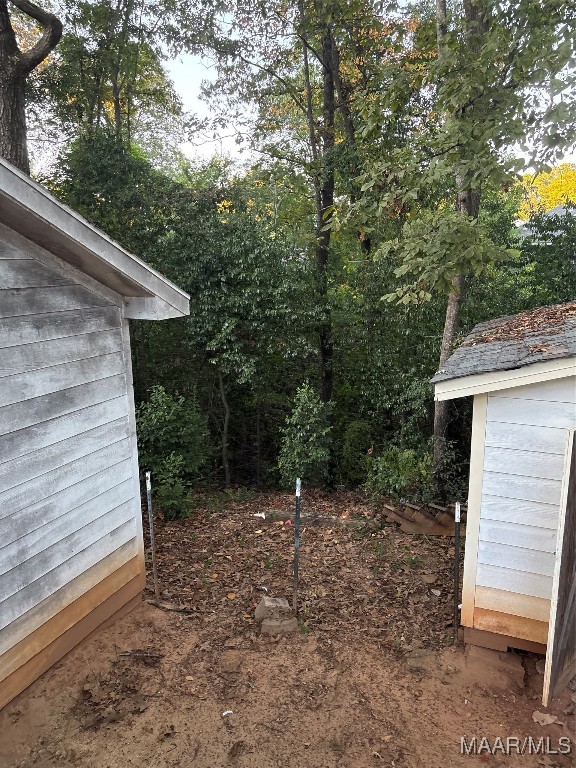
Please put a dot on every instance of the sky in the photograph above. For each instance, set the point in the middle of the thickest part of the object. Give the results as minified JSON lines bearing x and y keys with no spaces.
{"x":187,"y":72}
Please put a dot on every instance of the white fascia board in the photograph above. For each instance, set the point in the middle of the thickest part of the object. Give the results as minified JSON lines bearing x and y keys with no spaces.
{"x":496,"y":380}
{"x":30,"y":210}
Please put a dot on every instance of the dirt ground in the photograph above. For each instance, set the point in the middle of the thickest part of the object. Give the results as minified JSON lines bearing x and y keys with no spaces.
{"x":372,"y":679}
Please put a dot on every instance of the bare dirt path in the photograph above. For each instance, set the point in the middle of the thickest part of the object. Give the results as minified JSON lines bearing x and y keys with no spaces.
{"x":372,"y":679}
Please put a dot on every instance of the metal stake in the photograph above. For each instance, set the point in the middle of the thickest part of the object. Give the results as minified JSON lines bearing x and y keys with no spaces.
{"x":456,"y":567}
{"x":296,"y":548}
{"x":152,"y":540}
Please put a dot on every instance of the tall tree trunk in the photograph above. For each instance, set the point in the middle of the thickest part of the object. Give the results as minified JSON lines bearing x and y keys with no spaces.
{"x":324,"y":214}
{"x":468,"y":204}
{"x":225,"y":430}
{"x":15,"y":66}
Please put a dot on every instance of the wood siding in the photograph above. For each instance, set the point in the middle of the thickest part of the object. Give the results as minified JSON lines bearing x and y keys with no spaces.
{"x":522,"y":472}
{"x":70,"y":520}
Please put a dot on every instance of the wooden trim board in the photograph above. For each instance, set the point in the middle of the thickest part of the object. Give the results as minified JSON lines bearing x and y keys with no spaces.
{"x":493,"y":381}
{"x":474,"y":506}
{"x":114,"y":606}
{"x":499,"y":642}
{"x":512,"y":626}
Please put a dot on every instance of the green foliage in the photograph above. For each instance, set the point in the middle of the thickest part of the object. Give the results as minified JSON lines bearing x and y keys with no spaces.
{"x":400,"y":474}
{"x":306,"y":440}
{"x":353,"y":463}
{"x":173,"y":444}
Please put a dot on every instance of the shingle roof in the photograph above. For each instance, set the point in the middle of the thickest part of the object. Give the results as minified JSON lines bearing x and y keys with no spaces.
{"x":513,"y":341}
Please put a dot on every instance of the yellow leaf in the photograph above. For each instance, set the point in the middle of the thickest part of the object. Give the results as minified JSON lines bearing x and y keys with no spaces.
{"x":231,"y":596}
{"x":213,"y":576}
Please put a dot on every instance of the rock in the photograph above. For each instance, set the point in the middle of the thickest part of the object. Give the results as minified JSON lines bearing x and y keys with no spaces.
{"x":497,"y":667}
{"x":279,"y":626}
{"x":272,"y":608}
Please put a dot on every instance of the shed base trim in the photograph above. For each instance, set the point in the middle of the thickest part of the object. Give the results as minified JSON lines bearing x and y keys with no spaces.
{"x":498,"y":642}
{"x":113,"y":607}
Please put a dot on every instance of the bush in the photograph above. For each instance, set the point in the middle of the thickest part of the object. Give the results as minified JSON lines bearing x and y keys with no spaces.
{"x":306,"y":440}
{"x":173,"y":444}
{"x":400,"y":474}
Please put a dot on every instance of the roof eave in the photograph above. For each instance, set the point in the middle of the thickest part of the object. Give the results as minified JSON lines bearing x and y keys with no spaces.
{"x":34,"y":213}
{"x":479,"y":383}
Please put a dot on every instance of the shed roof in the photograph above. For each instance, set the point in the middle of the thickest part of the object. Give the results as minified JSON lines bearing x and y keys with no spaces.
{"x":514,"y":341}
{"x":34,"y":213}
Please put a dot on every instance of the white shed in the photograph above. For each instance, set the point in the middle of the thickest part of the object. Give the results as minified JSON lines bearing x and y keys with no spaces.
{"x":71,"y":547}
{"x":519,"y":587}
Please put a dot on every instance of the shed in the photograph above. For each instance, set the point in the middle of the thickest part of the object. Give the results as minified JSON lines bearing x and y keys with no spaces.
{"x":519,"y":586}
{"x":71,"y":545}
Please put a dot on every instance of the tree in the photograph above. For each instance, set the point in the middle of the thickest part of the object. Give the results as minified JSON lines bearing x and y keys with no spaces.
{"x":497,"y":64}
{"x":546,"y":190}
{"x":15,"y":67}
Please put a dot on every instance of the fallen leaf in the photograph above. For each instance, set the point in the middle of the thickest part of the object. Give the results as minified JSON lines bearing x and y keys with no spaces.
{"x":213,"y":576}
{"x":542,"y":718}
{"x":231,"y":596}
{"x":189,"y":677}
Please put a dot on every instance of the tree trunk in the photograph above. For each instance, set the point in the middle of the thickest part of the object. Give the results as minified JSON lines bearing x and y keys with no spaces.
{"x":15,"y":66}
{"x":225,"y":430}
{"x":324,"y":214}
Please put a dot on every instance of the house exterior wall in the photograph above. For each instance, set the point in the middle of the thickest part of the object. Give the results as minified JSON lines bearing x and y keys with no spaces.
{"x":71,"y":551}
{"x":511,"y":538}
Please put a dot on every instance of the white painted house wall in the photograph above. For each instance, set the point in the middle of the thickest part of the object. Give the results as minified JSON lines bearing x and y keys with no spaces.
{"x":69,"y":501}
{"x":524,"y":449}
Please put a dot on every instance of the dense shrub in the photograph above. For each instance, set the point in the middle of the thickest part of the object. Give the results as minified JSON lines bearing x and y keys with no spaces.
{"x":400,"y":474}
{"x":173,"y":444}
{"x":306,"y":440}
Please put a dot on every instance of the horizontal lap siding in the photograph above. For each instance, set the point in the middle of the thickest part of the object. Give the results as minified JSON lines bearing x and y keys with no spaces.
{"x":526,"y":430}
{"x":67,"y":486}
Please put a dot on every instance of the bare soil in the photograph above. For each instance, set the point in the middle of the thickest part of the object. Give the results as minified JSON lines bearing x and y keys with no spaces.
{"x":372,"y":679}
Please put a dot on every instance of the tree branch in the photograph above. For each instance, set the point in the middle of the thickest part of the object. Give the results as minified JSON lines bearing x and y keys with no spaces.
{"x":51,"y":34}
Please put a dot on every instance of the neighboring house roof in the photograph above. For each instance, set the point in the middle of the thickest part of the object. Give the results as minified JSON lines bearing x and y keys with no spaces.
{"x":537,"y":340}
{"x":34,"y":213}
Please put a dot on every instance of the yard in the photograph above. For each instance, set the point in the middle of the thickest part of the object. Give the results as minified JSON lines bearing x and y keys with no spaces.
{"x":372,"y":679}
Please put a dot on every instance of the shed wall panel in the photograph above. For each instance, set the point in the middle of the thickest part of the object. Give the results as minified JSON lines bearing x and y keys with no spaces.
{"x":526,"y":428}
{"x":69,"y":501}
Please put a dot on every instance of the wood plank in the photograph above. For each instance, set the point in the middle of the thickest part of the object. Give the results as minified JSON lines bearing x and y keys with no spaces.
{"x":28,"y":273}
{"x":513,"y":626}
{"x":67,"y":616}
{"x":511,"y":602}
{"x":111,"y":609}
{"x":525,"y":488}
{"x":34,"y":301}
{"x":37,"y":463}
{"x":21,"y":497}
{"x":42,"y":354}
{"x":524,"y":463}
{"x":25,"y":386}
{"x":8,"y":251}
{"x":33,"y":593}
{"x":556,"y":391}
{"x":518,"y":558}
{"x":520,"y":512}
{"x":29,"y":329}
{"x":25,"y":441}
{"x":515,"y":535}
{"x":533,"y":412}
{"x":46,"y":407}
{"x":518,"y":436}
{"x":511,"y":580}
{"x":100,"y":489}
{"x":104,"y":517}
{"x":561,"y":656}
{"x":496,"y":381}
{"x":500,"y":642}
{"x":66,"y":546}
{"x":41,"y":613}
{"x":474,"y":508}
